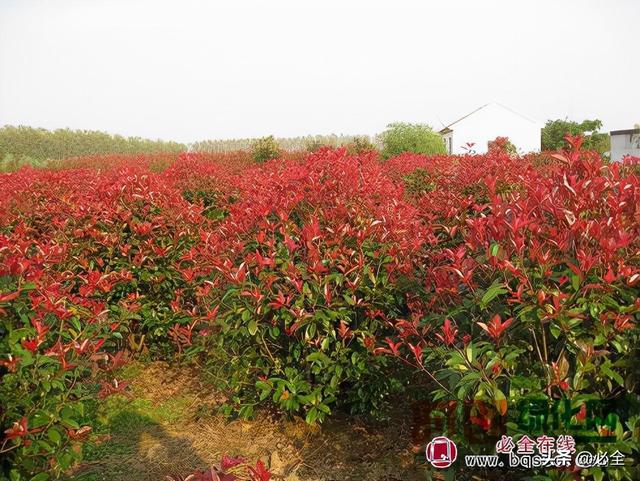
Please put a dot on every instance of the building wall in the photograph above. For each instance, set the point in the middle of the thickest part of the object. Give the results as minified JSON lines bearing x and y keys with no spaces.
{"x":495,"y":121}
{"x":448,"y":141}
{"x":624,"y":144}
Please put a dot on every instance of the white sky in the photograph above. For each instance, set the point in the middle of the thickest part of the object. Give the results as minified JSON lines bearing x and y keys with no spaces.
{"x":188,"y":70}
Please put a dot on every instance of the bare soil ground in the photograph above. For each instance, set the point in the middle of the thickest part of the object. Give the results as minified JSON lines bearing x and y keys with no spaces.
{"x":168,"y":425}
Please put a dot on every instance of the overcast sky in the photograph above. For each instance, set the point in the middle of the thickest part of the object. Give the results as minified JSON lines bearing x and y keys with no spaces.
{"x":189,"y":69}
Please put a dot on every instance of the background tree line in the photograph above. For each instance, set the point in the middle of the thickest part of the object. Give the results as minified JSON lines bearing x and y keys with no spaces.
{"x":307,"y":142}
{"x":35,"y":145}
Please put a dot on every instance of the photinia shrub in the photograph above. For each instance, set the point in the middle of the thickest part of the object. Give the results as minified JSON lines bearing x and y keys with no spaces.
{"x":86,"y":270}
{"x":531,"y":292}
{"x":311,"y":282}
{"x":306,"y":269}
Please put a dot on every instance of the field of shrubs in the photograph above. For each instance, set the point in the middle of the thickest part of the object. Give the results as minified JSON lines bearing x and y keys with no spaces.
{"x":322,"y":283}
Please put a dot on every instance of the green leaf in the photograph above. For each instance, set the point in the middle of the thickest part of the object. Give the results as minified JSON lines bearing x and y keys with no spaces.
{"x":70,"y":423}
{"x":318,"y":357}
{"x":40,"y":477}
{"x":470,"y":352}
{"x":575,"y":282}
{"x":349,"y":300}
{"x":42,"y":444}
{"x":263,"y":385}
{"x":38,"y":419}
{"x":492,"y":292}
{"x":252,"y":327}
{"x":598,"y":474}
{"x":265,"y":389}
{"x":472,"y":376}
{"x":312,"y":415}
{"x":612,"y":374}
{"x":311,"y":331}
{"x":54,"y":435}
{"x":76,"y":323}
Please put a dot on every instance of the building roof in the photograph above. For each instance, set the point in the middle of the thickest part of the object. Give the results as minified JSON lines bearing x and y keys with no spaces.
{"x":625,"y":132}
{"x":447,"y":128}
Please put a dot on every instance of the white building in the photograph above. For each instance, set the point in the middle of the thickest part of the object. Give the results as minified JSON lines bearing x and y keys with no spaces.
{"x":488,"y":122}
{"x":624,"y":142}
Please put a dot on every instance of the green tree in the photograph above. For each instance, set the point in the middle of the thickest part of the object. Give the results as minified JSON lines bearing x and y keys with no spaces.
{"x":265,"y":148}
{"x":35,"y":145}
{"x":554,"y":131}
{"x":405,"y":137}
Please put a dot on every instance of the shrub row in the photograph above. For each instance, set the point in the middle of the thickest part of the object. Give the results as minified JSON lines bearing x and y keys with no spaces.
{"x":306,"y":283}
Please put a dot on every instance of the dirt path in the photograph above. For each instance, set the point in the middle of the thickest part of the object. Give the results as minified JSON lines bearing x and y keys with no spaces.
{"x":168,"y":426}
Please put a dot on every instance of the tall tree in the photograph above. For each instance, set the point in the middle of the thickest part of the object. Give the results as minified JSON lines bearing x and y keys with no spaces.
{"x":404,"y":137}
{"x":554,"y":131}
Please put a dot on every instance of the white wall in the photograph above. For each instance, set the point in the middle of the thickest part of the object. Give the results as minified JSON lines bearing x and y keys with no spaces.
{"x":624,"y":144}
{"x":495,"y":121}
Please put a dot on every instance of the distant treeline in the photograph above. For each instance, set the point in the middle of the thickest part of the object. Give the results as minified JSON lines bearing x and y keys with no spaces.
{"x":34,"y":145}
{"x":19,"y":145}
{"x":308,"y":142}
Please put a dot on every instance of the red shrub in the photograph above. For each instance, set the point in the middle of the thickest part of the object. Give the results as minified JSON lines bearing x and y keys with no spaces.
{"x":497,"y":276}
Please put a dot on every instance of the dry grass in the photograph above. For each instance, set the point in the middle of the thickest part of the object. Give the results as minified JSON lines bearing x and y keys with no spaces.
{"x":168,"y":425}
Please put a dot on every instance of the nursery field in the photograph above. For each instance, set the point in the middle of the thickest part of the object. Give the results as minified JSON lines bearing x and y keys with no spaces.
{"x":318,"y":316}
